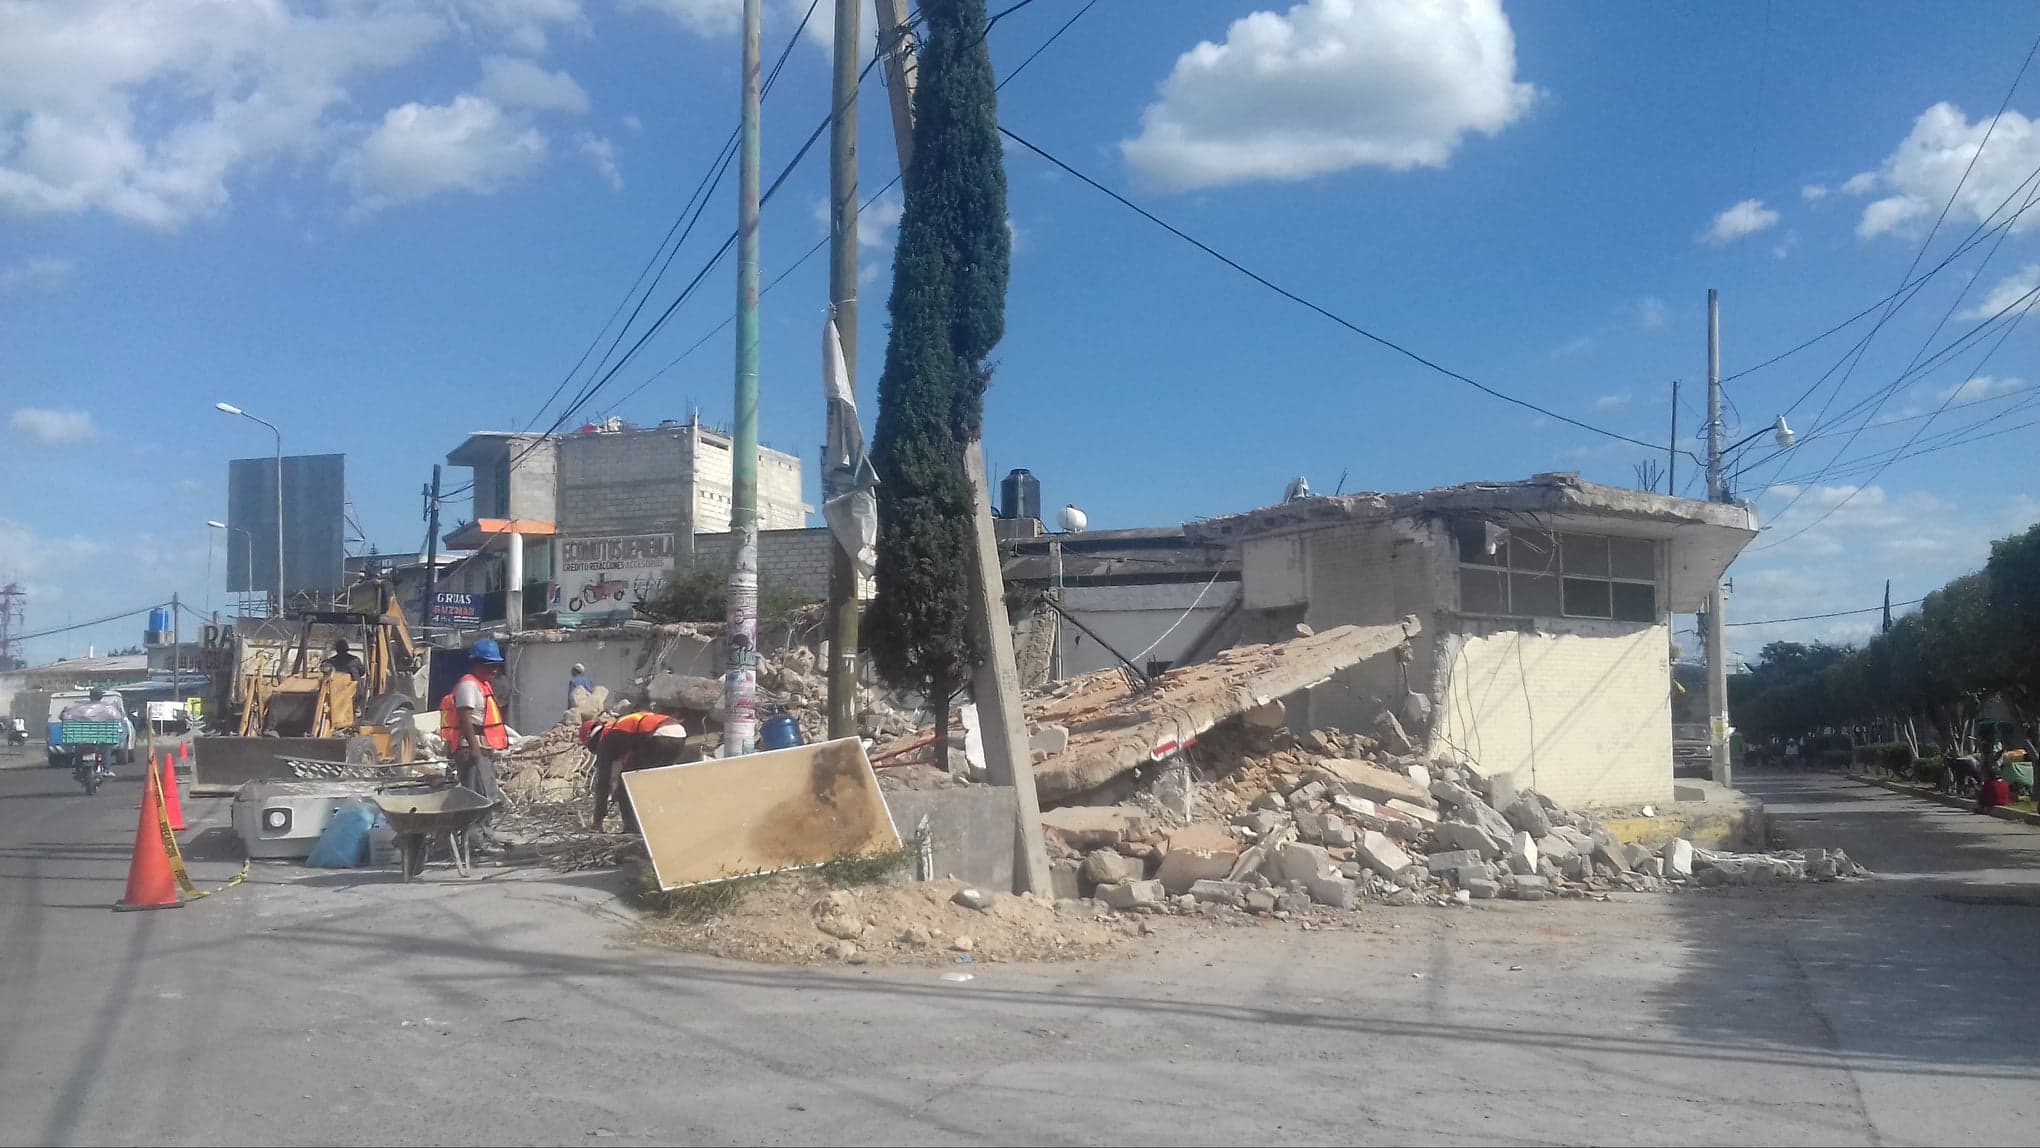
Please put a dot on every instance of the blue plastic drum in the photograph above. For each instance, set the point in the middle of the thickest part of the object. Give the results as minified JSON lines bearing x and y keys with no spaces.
{"x":781,"y":731}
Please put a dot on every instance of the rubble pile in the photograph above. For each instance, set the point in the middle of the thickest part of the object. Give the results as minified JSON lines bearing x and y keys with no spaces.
{"x":799,"y":918}
{"x":1334,"y":819}
{"x":548,"y":768}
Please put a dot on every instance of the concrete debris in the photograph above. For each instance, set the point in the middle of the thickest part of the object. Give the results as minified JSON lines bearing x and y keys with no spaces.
{"x":1094,"y":826}
{"x":1232,"y":893}
{"x":1466,"y":835}
{"x":1110,"y":867}
{"x":1528,"y":815}
{"x":1523,"y":854}
{"x":1390,"y":731}
{"x":972,"y":899}
{"x":1131,"y":894}
{"x":1678,"y":857}
{"x":1383,"y":856}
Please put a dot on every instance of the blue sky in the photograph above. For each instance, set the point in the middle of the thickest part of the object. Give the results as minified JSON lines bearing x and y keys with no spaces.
{"x":382,"y":224}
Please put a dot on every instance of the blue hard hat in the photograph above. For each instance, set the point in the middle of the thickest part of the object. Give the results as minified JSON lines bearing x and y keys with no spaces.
{"x":486,"y":650}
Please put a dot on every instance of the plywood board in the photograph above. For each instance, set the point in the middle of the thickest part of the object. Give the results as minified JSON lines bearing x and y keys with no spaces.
{"x":760,"y":813}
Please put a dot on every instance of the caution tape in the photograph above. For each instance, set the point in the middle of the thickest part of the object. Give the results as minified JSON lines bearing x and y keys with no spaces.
{"x":184,"y":882}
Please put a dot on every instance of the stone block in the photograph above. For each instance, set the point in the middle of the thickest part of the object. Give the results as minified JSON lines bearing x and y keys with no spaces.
{"x":1523,"y":854}
{"x":1131,"y":894}
{"x":1232,"y":893}
{"x":1293,"y":903}
{"x":1333,"y":889}
{"x":1261,"y":901}
{"x":1094,"y":826}
{"x":1422,"y":816}
{"x":1295,"y":861}
{"x":1555,"y":848}
{"x":1577,"y":867}
{"x":1653,"y":867}
{"x":1637,"y":855}
{"x":1452,"y":860}
{"x":1481,"y":888}
{"x":1261,"y":822}
{"x":1365,"y":779}
{"x":1336,"y":833}
{"x":1063,"y":878}
{"x":1501,"y":790}
{"x":1529,"y":815}
{"x":1526,"y":887}
{"x":1394,"y":738}
{"x":1451,"y":796}
{"x":1614,"y":855}
{"x":1303,"y":795}
{"x":1466,"y":835}
{"x":1110,"y":867}
{"x":1382,"y":855}
{"x":1198,"y":853}
{"x":1420,"y":777}
{"x":1049,"y":740}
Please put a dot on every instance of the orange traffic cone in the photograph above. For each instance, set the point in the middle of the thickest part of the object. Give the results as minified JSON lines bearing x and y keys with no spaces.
{"x":173,"y":806}
{"x":150,"y":884}
{"x":184,"y":750}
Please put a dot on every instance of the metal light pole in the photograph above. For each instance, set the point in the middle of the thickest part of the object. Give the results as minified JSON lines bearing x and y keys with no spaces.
{"x":247,"y":550}
{"x":1717,"y":654}
{"x":231,"y":409}
{"x":740,"y":634}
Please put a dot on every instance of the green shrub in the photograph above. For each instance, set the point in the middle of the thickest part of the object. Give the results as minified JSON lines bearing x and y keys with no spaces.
{"x":1929,"y":770}
{"x":1894,"y":757}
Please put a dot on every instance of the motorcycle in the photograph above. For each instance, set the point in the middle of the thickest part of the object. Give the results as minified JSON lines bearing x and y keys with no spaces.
{"x":91,"y":770}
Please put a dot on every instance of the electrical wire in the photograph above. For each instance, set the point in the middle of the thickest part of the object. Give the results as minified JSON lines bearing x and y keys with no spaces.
{"x":84,"y":625}
{"x":1830,"y":614}
{"x":1293,"y":297}
{"x":824,"y":241}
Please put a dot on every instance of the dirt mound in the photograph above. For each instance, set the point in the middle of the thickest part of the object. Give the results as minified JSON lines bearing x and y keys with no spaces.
{"x":800,"y":918}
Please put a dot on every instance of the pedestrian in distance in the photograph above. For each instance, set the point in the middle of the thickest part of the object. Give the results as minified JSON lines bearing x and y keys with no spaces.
{"x":577,"y":682}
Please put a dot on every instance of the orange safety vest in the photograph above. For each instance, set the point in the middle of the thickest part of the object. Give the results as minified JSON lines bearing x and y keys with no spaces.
{"x":495,"y":734}
{"x":643,"y":721}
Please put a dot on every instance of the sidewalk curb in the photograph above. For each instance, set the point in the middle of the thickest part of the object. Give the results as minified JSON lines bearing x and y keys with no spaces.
{"x":2001,"y":813}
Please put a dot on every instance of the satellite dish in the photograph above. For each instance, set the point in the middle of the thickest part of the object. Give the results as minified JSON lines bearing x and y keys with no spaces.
{"x":1073,"y":520}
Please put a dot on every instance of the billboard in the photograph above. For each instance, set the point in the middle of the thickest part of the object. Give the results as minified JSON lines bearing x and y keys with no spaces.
{"x":314,"y":521}
{"x":462,"y":611}
{"x":611,"y":575}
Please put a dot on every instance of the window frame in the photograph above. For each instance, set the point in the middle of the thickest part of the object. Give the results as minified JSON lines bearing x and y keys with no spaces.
{"x":1549,"y":547}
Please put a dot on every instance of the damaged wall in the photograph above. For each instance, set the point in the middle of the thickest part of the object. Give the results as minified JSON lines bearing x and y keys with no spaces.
{"x":537,"y":666}
{"x":1578,"y":710}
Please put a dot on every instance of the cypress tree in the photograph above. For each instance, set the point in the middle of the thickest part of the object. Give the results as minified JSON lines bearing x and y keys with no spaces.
{"x":948,"y":311}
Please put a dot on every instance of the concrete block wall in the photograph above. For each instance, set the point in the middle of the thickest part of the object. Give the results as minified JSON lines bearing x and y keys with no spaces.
{"x":637,"y":482}
{"x":1579,"y":710}
{"x":779,"y":486}
{"x":794,"y":559}
{"x":1371,"y":574}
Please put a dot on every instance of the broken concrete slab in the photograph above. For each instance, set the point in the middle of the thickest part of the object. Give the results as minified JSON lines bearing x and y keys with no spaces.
{"x":1198,"y":853}
{"x":1678,"y":855}
{"x":1451,"y":795}
{"x":1481,"y":888}
{"x":1422,"y":817}
{"x":1524,"y":887}
{"x":1394,"y":739}
{"x":1453,"y":860}
{"x":1047,"y":740}
{"x":1466,"y":835}
{"x":1613,"y":854}
{"x":1261,"y":822}
{"x":1261,"y":901}
{"x":1374,"y":782}
{"x":1501,"y":790}
{"x":1232,"y":893}
{"x":1554,"y":848}
{"x":1383,"y":856}
{"x":1093,"y":826}
{"x":1529,"y":815}
{"x":1110,"y":867}
{"x":1115,"y":728}
{"x":1131,"y":894}
{"x":1303,"y":795}
{"x":1523,"y":854}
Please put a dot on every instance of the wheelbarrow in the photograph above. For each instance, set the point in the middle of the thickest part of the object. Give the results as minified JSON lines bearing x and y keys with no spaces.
{"x":418,"y":816}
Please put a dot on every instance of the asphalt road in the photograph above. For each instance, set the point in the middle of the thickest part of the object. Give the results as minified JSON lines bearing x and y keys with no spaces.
{"x":344,"y":1008}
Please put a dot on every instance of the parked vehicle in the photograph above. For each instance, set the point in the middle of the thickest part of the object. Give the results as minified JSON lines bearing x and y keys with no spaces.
{"x":64,"y":753}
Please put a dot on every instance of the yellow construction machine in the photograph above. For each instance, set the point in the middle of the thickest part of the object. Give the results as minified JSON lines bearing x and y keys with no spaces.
{"x":309,"y":713}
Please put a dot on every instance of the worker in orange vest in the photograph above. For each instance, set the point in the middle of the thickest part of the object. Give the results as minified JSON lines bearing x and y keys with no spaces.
{"x":472,"y":724}
{"x":634,"y":741}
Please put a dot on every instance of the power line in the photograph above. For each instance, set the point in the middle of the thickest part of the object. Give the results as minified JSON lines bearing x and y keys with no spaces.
{"x":85,"y":625}
{"x":875,"y":197}
{"x":1309,"y":305}
{"x":1830,"y":614}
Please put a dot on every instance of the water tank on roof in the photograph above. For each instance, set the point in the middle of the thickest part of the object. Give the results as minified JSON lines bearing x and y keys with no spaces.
{"x":158,"y":633}
{"x":1020,"y":495}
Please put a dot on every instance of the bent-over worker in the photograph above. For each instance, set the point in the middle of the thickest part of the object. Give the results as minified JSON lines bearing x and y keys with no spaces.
{"x":472,"y":724}
{"x":577,"y":682}
{"x":634,"y":741}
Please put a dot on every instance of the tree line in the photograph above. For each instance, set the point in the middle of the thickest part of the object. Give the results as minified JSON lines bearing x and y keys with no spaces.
{"x":1926,"y":679}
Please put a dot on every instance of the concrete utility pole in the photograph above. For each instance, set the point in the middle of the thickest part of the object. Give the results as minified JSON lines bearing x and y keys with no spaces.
{"x":431,"y":551}
{"x":996,"y":686}
{"x":1717,"y":653}
{"x":1672,"y":450}
{"x":740,"y":633}
{"x":843,"y":305}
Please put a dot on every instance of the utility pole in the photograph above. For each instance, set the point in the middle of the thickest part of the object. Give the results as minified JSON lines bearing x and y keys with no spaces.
{"x":843,"y":312}
{"x":996,"y":686}
{"x":431,"y":550}
{"x":176,"y":648}
{"x":1717,"y":653}
{"x":740,"y":633}
{"x":896,"y":44}
{"x":1672,"y":450}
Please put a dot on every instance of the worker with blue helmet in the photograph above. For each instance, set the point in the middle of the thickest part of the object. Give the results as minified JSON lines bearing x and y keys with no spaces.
{"x":472,"y":724}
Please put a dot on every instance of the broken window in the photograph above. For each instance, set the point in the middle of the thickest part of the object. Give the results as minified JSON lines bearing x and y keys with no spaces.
{"x":1541,"y":574}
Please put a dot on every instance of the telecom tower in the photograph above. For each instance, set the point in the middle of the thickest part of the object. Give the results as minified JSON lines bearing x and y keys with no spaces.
{"x":13,"y":599}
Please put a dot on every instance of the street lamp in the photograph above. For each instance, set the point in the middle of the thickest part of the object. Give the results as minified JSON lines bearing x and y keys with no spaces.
{"x":247,"y":553}
{"x":229,"y":408}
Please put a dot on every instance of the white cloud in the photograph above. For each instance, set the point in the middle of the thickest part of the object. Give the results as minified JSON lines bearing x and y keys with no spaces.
{"x":722,"y":18}
{"x":1918,"y":177}
{"x":1651,"y":313}
{"x":1814,"y":192}
{"x":877,"y":225}
{"x":53,"y":427}
{"x":519,"y":83}
{"x":422,"y":150}
{"x":1979,"y":388}
{"x":1614,"y":402}
{"x":1574,"y":347}
{"x":601,"y":155}
{"x":1331,"y":85}
{"x":38,"y":274}
{"x":634,"y":125}
{"x":523,"y":25}
{"x":147,"y":109}
{"x":2010,"y":290}
{"x":1745,"y":218}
